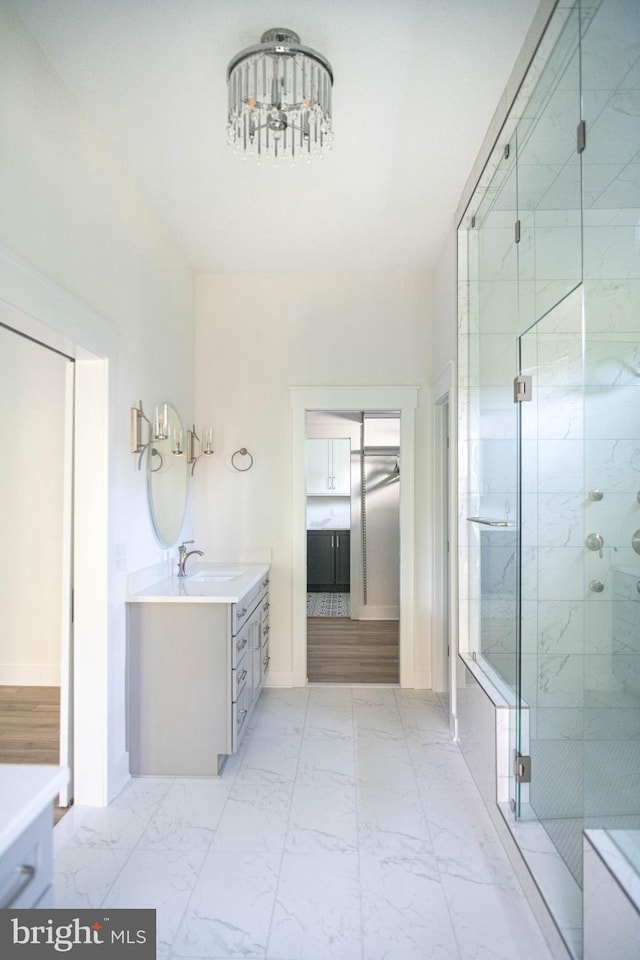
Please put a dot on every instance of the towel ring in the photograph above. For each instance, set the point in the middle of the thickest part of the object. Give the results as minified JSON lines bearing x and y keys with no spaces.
{"x":242,"y":452}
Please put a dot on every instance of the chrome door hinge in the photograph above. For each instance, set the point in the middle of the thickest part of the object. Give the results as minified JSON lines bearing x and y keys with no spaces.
{"x":522,"y":388}
{"x":517,"y":231}
{"x":581,"y":136}
{"x":522,"y":768}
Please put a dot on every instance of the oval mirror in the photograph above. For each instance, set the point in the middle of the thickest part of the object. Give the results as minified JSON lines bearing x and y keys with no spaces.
{"x":167,"y":479}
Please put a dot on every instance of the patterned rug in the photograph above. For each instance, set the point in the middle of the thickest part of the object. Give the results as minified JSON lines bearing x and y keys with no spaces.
{"x":328,"y":605}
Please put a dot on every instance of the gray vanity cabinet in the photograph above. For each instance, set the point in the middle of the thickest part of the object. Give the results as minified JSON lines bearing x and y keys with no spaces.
{"x":195,"y":674}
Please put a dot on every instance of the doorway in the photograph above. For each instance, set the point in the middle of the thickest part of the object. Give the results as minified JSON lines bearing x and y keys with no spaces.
{"x":36,"y":385}
{"x":352,"y":476}
{"x":405,"y":400}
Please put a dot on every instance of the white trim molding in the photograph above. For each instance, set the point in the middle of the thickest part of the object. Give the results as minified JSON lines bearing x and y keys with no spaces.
{"x":36,"y":307}
{"x":405,"y":400}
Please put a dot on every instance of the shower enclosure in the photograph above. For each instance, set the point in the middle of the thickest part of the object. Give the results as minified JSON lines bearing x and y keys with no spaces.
{"x":549,"y":434}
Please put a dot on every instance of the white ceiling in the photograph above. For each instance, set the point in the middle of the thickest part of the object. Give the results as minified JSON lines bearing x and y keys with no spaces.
{"x":416,"y":84}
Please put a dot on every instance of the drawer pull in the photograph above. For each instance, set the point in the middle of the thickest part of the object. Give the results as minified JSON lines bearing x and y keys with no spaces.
{"x":242,"y":677}
{"x":265,"y":606}
{"x":265,"y":582}
{"x":266,"y":630}
{"x":241,"y":717}
{"x":26,"y":872}
{"x":265,"y":662}
{"x":240,"y":646}
{"x":241,"y":613}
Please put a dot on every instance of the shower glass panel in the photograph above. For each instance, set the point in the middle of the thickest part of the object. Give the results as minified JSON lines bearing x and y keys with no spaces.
{"x":492,"y":449}
{"x":549,"y":536}
{"x":549,"y":182}
{"x":554,"y":576}
{"x":611,"y":173}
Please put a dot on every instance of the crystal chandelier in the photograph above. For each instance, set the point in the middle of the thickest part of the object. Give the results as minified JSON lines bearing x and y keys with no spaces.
{"x":279,"y":99}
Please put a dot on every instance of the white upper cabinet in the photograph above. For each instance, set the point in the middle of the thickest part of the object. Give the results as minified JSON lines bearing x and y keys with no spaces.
{"x":328,"y":467}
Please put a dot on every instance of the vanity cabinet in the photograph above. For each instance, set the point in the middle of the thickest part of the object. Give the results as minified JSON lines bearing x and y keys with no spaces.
{"x":328,"y":465}
{"x":27,"y":792}
{"x":328,"y":560}
{"x":196,"y":671}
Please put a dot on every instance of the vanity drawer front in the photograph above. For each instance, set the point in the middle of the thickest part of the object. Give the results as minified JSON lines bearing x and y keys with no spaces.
{"x":26,"y":867}
{"x":241,"y":710}
{"x":239,"y":677}
{"x":247,"y":604}
{"x":240,"y":644}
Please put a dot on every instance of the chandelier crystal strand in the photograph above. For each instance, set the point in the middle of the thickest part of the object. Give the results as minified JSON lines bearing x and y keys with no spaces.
{"x":279,"y":95}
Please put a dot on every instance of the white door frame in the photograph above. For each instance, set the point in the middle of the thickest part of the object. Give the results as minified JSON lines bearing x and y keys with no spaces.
{"x":444,"y":519}
{"x":39,"y":308}
{"x":405,"y":400}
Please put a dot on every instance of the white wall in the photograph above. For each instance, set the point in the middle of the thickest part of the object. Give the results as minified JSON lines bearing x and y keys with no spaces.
{"x":257,"y":335}
{"x":68,"y":212}
{"x":32,"y":440}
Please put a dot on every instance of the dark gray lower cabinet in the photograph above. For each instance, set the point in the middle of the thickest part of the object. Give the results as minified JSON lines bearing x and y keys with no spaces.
{"x":328,"y":561}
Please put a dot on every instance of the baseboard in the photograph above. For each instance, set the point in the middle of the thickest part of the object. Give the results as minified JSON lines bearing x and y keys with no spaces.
{"x":366,"y":612}
{"x":284,"y":679}
{"x":30,"y":674}
{"x":419,"y":681}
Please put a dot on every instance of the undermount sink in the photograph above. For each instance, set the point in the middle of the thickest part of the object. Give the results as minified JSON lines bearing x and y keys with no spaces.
{"x":219,"y":576}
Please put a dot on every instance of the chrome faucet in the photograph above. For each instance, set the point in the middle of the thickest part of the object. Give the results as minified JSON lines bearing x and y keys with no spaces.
{"x":183,"y":556}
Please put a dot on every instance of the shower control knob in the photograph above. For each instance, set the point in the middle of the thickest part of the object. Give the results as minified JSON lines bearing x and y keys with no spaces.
{"x":596,"y":542}
{"x":596,"y":586}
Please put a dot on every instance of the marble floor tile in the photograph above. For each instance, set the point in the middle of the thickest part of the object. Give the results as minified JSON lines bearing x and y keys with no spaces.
{"x":459,"y":824}
{"x":329,"y":720}
{"x":187,"y":816}
{"x":347,"y":827}
{"x":269,"y":760}
{"x":391,"y":822}
{"x":158,"y":879}
{"x":323,"y":818}
{"x":255,"y":817}
{"x":123,"y":822}
{"x":317,"y":911}
{"x":491,"y":917}
{"x":404,"y":911}
{"x":231,"y":906}
{"x":83,"y":876}
{"x":326,"y":761}
{"x":385,"y":762}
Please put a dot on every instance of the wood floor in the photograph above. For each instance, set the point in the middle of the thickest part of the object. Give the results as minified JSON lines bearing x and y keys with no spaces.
{"x":340,"y":650}
{"x":30,"y":727}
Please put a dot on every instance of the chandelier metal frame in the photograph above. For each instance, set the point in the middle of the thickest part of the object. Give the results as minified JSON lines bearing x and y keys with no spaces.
{"x":280,"y":99}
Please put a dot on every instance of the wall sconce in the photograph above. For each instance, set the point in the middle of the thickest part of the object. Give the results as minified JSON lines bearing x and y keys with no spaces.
{"x":138,"y":443}
{"x":159,"y":430}
{"x":197,"y":447}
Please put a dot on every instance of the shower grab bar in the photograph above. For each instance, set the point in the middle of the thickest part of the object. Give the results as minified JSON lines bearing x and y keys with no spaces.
{"x":490,"y":523}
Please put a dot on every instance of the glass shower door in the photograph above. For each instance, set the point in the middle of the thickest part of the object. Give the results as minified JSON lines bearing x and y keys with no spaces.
{"x":553,"y":591}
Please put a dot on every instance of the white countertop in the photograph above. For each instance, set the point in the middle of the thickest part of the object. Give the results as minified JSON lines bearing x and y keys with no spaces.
{"x":25,"y":790}
{"x":204,"y":583}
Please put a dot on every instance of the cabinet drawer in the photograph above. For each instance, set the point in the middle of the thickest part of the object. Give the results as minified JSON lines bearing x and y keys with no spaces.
{"x":26,"y":867}
{"x":239,"y":677}
{"x":240,"y":644}
{"x":240,"y":712}
{"x":247,"y":604}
